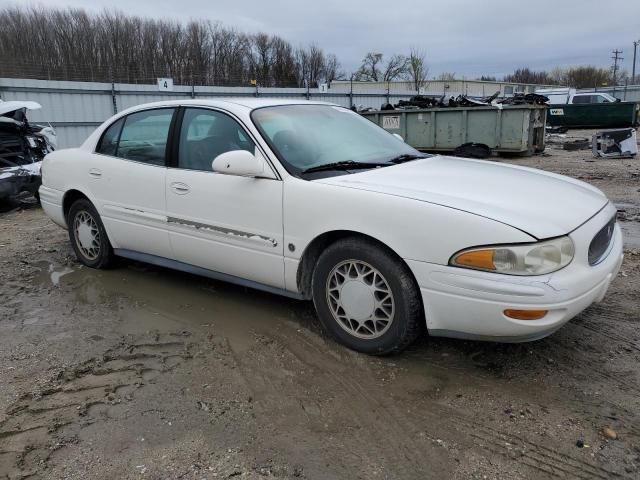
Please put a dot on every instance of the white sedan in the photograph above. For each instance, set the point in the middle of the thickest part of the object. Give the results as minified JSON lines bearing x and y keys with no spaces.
{"x":312,"y":201}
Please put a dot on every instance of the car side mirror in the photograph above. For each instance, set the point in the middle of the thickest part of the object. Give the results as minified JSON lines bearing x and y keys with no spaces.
{"x":399,"y":137}
{"x":241,"y":163}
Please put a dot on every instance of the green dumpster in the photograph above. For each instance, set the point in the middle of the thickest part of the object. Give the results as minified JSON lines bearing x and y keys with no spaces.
{"x":515,"y":129}
{"x":594,"y":115}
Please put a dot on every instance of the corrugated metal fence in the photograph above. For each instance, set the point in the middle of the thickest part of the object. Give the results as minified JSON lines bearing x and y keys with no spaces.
{"x":75,"y":109}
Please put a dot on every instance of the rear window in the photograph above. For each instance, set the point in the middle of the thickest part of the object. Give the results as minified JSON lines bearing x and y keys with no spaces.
{"x":109,"y":141}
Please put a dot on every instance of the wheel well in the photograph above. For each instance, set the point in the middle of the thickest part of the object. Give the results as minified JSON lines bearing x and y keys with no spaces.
{"x":69,"y":198}
{"x":319,"y":244}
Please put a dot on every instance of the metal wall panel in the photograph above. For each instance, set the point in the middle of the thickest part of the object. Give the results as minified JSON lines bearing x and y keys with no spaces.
{"x":76,"y":108}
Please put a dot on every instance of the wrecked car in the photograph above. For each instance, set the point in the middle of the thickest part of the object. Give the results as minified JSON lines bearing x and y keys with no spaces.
{"x":313,"y":201}
{"x":22,"y":148}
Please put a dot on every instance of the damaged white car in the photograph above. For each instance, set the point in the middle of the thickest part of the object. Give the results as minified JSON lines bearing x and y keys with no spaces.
{"x":22,"y":148}
{"x":313,"y":201}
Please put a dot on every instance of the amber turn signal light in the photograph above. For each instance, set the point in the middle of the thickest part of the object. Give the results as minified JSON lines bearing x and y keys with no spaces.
{"x":525,"y":314}
{"x":477,"y":259}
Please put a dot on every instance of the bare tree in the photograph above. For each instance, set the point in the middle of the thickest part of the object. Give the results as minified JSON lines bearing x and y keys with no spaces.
{"x":588,"y":76}
{"x":283,"y":63}
{"x":369,"y":70}
{"x":397,"y":67}
{"x":332,"y":69}
{"x":526,"y":75}
{"x":418,"y":70}
{"x":316,"y":65}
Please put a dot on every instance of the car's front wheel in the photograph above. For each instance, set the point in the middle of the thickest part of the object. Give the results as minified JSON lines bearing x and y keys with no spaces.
{"x":366,"y":298}
{"x":88,"y":236}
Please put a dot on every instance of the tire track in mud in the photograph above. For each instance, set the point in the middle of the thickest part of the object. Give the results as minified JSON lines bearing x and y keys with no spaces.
{"x":361,"y":420}
{"x":514,"y":446}
{"x":602,"y":320}
{"x":393,"y":426}
{"x":35,"y":424}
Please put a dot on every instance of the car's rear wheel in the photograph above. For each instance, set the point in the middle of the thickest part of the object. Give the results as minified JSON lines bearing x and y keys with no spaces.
{"x":366,"y":298}
{"x":88,"y":236}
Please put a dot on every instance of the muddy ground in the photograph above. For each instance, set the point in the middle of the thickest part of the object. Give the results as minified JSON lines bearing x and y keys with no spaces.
{"x":141,"y":372}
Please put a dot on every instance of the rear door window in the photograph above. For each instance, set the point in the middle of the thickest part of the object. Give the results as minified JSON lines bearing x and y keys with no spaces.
{"x":144,"y":136}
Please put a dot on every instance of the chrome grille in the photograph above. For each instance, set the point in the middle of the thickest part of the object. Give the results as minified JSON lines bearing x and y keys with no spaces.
{"x":600,"y":243}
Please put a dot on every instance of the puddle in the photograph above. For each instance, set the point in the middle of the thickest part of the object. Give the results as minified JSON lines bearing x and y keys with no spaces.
{"x":55,"y":274}
{"x":51,"y":273}
{"x":148,"y":297}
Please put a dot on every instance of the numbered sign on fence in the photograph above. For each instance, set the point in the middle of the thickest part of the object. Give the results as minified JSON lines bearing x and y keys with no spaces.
{"x":165,"y":84}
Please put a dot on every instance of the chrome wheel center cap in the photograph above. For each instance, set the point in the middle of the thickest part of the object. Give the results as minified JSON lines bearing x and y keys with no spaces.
{"x":357,"y":300}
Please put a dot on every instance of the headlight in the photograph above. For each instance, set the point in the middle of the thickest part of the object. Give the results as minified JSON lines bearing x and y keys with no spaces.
{"x":531,"y":259}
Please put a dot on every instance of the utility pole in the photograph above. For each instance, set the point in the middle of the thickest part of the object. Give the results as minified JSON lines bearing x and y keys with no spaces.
{"x":614,"y":69}
{"x":633,"y":69}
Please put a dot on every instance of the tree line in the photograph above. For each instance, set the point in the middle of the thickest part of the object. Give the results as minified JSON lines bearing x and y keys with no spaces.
{"x":69,"y":44}
{"x":587,"y":76}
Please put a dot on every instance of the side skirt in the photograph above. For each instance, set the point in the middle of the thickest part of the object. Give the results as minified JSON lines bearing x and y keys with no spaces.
{"x":203,"y":272}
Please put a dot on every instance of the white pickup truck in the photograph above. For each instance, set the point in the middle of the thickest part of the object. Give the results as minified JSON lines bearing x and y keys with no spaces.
{"x":570,"y":96}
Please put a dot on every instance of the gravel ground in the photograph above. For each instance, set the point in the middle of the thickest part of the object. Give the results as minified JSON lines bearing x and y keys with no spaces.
{"x":141,"y":372}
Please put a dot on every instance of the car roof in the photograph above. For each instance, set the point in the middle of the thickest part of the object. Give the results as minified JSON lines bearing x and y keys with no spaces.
{"x":248,"y":103}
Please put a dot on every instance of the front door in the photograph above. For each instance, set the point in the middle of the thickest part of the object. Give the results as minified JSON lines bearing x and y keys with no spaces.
{"x":225,"y":223}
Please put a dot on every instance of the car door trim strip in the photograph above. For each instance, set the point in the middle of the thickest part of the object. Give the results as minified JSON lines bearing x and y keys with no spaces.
{"x":224,"y":231}
{"x":136,"y":213}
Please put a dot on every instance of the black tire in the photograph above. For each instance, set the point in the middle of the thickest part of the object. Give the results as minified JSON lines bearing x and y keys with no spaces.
{"x":100,"y":255}
{"x":407,"y":317}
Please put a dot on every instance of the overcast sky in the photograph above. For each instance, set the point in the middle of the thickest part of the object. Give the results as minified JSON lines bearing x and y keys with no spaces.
{"x":468,"y":37}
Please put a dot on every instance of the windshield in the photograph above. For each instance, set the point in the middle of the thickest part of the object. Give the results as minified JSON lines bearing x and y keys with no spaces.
{"x":308,"y":136}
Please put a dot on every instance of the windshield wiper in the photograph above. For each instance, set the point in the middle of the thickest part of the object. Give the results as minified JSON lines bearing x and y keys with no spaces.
{"x":344,"y":165}
{"x":407,"y":157}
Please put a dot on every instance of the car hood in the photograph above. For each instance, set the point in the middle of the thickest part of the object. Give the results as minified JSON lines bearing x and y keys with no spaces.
{"x":539,"y":203}
{"x":13,"y":105}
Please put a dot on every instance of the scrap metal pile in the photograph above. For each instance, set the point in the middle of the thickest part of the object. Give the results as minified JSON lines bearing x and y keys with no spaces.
{"x":22,"y":148}
{"x":422,"y":101}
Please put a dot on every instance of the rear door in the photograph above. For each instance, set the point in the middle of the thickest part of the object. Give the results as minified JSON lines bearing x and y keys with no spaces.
{"x":225,"y":223}
{"x":127,"y":175}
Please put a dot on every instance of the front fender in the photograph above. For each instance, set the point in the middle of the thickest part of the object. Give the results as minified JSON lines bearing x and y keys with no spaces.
{"x":413,"y":229}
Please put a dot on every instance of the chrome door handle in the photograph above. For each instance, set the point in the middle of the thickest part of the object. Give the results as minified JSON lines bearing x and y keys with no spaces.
{"x":95,"y":173}
{"x":180,"y":188}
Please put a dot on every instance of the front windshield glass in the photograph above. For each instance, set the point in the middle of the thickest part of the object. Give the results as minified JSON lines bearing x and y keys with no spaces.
{"x":308,"y":136}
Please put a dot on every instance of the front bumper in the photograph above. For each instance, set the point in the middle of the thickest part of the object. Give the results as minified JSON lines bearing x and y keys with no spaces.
{"x":13,"y":181}
{"x":469,"y":304}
